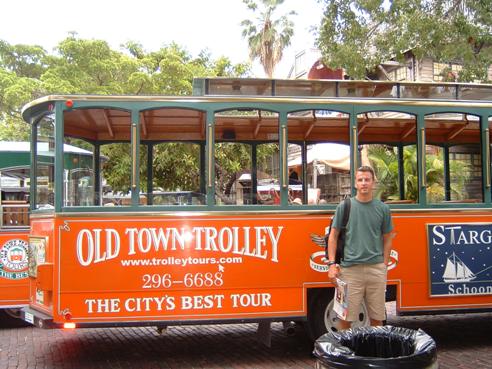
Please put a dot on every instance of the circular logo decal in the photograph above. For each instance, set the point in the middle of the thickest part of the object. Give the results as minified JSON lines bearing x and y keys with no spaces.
{"x":318,"y":262}
{"x":13,"y":259}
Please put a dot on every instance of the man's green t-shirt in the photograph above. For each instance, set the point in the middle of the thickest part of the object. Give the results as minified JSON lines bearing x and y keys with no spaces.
{"x":368,"y":222}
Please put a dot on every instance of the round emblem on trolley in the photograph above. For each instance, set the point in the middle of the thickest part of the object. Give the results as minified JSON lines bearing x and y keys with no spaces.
{"x":318,"y":262}
{"x":13,"y":259}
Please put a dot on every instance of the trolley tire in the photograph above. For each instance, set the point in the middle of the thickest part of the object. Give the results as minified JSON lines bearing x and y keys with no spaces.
{"x":10,"y":318}
{"x":321,"y":318}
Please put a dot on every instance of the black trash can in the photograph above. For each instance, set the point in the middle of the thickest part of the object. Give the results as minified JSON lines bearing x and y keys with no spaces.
{"x":385,"y":347}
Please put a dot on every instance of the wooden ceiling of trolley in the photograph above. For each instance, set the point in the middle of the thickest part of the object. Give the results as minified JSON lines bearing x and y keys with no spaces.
{"x":173,"y":124}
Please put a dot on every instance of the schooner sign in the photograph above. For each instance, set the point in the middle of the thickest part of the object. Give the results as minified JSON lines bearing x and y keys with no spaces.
{"x":460,"y":259}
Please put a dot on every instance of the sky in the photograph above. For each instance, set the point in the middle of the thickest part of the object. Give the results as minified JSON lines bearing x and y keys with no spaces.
{"x":196,"y":25}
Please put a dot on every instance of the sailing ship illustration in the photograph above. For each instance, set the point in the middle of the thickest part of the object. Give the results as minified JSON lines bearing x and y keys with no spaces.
{"x":457,"y":271}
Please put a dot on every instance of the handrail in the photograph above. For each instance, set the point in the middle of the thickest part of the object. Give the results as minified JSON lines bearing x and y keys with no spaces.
{"x":341,"y":88}
{"x":487,"y":158}
{"x":423,"y":165}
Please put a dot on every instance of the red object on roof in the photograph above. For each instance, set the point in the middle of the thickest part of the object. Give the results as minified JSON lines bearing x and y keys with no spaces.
{"x":320,"y":71}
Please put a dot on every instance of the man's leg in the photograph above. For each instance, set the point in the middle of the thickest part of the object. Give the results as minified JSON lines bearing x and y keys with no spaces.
{"x":354,"y":277}
{"x":376,"y":293}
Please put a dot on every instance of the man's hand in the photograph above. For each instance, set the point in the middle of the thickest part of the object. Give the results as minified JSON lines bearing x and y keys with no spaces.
{"x":333,"y":272}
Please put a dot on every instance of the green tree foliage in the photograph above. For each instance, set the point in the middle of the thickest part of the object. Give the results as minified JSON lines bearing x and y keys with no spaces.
{"x":384,"y":160}
{"x":20,"y":69}
{"x":360,"y":34}
{"x":229,"y":170}
{"x":234,"y":159}
{"x":176,"y":172}
{"x":80,"y":66}
{"x":268,"y":38}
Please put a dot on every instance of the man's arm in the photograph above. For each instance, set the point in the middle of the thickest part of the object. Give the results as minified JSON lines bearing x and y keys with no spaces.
{"x":387,"y":243}
{"x":332,"y":250}
{"x":332,"y":244}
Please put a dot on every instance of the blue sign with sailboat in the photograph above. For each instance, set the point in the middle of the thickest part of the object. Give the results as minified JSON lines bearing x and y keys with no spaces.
{"x":460,"y":259}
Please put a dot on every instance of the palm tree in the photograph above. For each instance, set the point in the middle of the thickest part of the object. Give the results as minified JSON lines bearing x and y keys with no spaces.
{"x":268,"y":38}
{"x":384,"y":161}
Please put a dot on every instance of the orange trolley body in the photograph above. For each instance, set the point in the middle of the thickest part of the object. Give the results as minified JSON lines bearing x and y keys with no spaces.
{"x":185,"y":268}
{"x":14,"y":227}
{"x":14,"y":282}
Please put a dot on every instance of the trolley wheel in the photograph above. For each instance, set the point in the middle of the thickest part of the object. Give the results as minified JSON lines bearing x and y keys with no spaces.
{"x":10,"y":318}
{"x":321,"y":317}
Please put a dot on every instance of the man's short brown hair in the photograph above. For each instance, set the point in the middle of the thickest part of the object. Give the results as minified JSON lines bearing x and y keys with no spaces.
{"x":367,"y":168}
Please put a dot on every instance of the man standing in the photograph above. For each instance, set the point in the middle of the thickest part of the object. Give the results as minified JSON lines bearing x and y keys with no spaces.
{"x":367,"y":250}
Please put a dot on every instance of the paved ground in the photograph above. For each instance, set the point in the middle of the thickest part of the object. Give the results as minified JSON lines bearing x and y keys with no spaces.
{"x":464,"y":341}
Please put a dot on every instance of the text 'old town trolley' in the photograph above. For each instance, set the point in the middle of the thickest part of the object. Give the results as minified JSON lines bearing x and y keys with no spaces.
{"x":202,"y":209}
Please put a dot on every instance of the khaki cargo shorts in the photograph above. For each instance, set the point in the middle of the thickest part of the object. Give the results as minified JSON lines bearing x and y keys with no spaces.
{"x":366,"y":282}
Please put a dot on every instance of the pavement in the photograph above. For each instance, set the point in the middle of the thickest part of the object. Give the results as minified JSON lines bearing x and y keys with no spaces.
{"x":464,"y":341}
